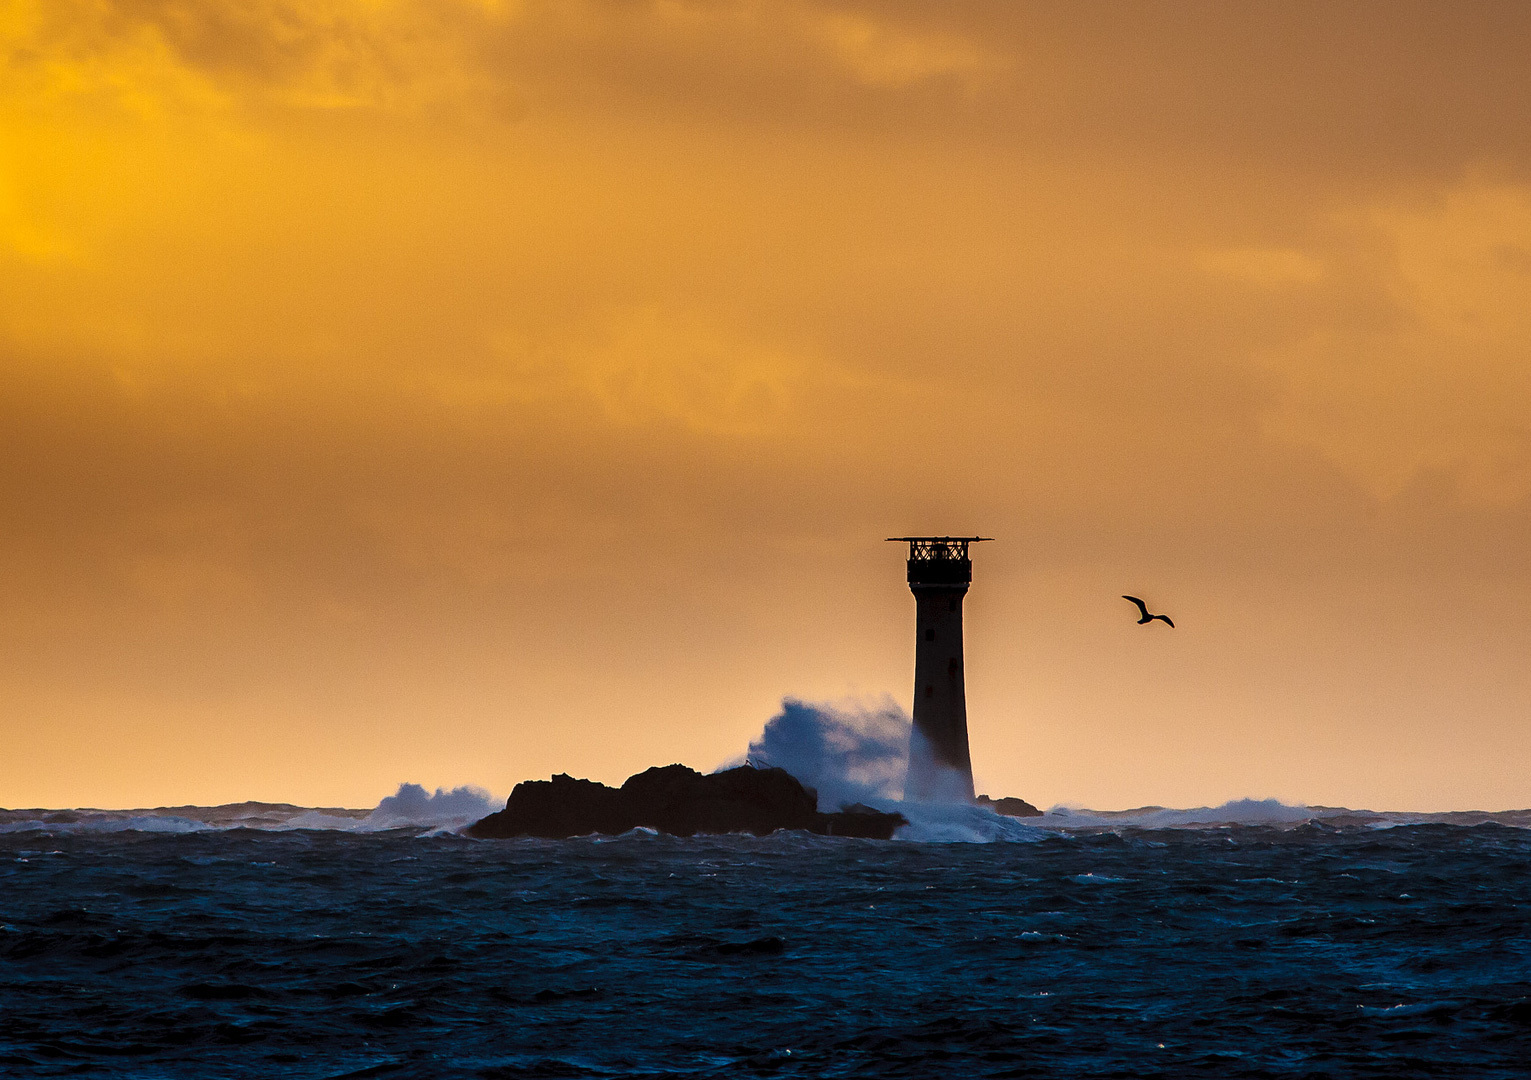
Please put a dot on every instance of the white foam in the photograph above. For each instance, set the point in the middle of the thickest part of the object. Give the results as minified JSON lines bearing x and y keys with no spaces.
{"x":107,"y":822}
{"x":859,"y":752}
{"x":954,"y":823}
{"x":412,"y":806}
{"x":937,"y":822}
{"x":1236,"y":812}
{"x":318,"y":820}
{"x":848,"y":752}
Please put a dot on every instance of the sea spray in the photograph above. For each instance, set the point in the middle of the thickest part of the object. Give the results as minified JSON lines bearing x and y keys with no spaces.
{"x":849,"y":752}
{"x":931,"y":780}
{"x":859,"y":752}
{"x":964,"y":823}
{"x":412,"y":805}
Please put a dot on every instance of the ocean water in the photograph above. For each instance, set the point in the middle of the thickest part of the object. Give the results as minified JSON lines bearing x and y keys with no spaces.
{"x":1288,"y":943}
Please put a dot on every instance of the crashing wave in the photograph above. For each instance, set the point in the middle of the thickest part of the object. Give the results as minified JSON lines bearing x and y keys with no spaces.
{"x":444,"y":812}
{"x":411,"y":807}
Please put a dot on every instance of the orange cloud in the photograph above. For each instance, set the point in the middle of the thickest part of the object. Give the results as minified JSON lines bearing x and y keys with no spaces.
{"x":503,"y":388}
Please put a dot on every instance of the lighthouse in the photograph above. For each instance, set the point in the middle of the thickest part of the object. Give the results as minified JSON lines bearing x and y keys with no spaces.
{"x":940,"y":767}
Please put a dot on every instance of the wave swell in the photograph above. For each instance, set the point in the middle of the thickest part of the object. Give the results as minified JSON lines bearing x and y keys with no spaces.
{"x":411,"y":807}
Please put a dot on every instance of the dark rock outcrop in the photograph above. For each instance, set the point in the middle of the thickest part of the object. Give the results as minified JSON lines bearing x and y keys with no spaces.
{"x":562,"y":806}
{"x":679,"y":801}
{"x":1009,"y":806}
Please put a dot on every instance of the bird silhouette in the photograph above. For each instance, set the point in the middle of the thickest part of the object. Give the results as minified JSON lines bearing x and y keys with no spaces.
{"x":1147,"y":618}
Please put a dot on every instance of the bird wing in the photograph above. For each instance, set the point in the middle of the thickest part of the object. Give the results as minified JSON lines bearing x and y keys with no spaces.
{"x":1141,"y":606}
{"x":1166,"y":618}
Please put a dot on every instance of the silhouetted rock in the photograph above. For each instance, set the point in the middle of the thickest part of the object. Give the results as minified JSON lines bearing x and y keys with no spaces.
{"x":562,"y":806}
{"x":1009,"y":806}
{"x":679,"y":801}
{"x":862,"y":821}
{"x":683,"y":802}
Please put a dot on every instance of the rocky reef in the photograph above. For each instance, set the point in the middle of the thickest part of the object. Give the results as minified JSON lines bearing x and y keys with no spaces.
{"x":1009,"y":806}
{"x":681,"y":802}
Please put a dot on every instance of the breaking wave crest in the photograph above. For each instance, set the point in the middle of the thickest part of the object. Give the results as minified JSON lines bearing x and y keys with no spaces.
{"x":849,"y":752}
{"x":444,"y":812}
{"x":950,"y":823}
{"x":852,"y":752}
{"x":411,"y":807}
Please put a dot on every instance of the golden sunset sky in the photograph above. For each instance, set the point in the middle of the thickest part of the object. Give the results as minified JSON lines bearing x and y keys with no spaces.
{"x":462,"y":391}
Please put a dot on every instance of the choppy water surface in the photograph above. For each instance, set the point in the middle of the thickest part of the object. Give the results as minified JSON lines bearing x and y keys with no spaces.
{"x":1228,"y":952}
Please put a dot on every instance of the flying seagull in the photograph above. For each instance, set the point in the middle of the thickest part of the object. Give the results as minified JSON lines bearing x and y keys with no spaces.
{"x":1147,"y":618}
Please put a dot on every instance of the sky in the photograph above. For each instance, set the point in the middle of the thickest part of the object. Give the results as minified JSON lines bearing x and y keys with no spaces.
{"x":463,"y":391}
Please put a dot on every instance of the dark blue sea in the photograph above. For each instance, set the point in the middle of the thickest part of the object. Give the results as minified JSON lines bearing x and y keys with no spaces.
{"x":1253,"y":950}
